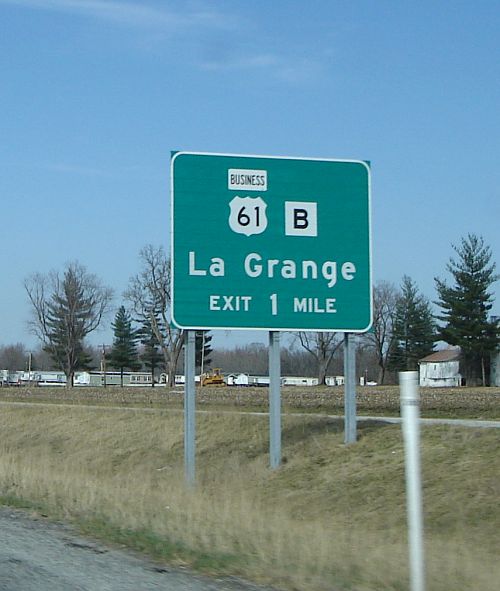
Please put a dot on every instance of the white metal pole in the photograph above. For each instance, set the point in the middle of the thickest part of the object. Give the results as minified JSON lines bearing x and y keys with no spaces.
{"x":189,"y":407}
{"x":410,"y":400}
{"x":350,"y":435}
{"x":274,"y":400}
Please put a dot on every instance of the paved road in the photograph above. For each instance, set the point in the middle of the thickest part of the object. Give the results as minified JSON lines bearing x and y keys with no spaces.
{"x":472,"y":423}
{"x":36,"y":555}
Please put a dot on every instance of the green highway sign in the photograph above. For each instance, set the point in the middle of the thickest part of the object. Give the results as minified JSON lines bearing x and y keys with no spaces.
{"x":261,"y":242}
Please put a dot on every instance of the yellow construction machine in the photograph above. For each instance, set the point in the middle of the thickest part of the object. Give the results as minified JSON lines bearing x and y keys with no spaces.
{"x":213,"y":378}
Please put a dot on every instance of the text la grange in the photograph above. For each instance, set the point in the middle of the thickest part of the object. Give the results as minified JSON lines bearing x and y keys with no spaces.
{"x":255,"y":265}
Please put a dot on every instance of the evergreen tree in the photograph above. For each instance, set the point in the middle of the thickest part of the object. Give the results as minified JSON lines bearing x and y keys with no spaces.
{"x":65,"y":317}
{"x":466,"y":305}
{"x":203,"y":349}
{"x":124,"y":352}
{"x":414,"y":329}
{"x":151,"y":354}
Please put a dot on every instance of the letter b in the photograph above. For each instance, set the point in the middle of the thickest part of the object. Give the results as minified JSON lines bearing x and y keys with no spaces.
{"x":301,"y":218}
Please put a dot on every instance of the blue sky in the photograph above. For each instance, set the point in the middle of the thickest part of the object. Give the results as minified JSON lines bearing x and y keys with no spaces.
{"x":95,"y":94}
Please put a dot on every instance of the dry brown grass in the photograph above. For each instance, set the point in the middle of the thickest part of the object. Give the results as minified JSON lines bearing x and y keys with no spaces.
{"x":333,"y":517}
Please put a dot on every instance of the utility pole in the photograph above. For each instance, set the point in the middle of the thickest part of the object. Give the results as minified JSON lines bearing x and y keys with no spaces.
{"x":103,"y":365}
{"x":29,"y":368}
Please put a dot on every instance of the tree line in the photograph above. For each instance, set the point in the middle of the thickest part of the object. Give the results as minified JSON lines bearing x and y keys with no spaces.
{"x":68,"y":306}
{"x":405,"y":330}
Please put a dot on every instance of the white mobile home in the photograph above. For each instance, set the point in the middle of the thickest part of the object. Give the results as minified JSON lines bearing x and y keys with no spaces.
{"x":43,"y":378}
{"x":237,"y":379}
{"x":298,"y":381}
{"x":334,"y":380}
{"x":258,"y":380}
{"x":10,"y":378}
{"x":180,"y":379}
{"x":112,"y":378}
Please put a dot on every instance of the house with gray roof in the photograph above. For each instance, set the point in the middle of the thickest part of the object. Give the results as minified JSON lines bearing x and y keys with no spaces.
{"x":441,"y":369}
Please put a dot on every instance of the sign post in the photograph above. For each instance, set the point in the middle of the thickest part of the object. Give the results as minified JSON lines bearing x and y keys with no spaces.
{"x":189,"y":407}
{"x":268,"y":243}
{"x":349,"y":389}
{"x":274,"y":400}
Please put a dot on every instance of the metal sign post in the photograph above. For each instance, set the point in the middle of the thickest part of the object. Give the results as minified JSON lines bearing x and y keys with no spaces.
{"x":350,"y":434}
{"x":189,"y":407}
{"x":408,"y":381}
{"x":269,"y":243}
{"x":274,"y":400}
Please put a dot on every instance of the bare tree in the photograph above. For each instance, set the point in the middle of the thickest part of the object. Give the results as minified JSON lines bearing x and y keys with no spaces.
{"x":381,"y":338}
{"x":42,"y":360}
{"x":251,"y":358}
{"x":367,"y":361}
{"x":149,"y":296}
{"x":66,"y":308}
{"x":13,"y":357}
{"x":322,"y":346}
{"x":296,"y":361}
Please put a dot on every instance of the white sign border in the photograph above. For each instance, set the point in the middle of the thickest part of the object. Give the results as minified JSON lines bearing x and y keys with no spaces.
{"x":267,"y":329}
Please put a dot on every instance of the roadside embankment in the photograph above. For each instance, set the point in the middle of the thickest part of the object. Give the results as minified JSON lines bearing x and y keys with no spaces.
{"x":332,"y":517}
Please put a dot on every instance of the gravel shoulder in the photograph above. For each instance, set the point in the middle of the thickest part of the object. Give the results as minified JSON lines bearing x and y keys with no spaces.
{"x":39,"y":555}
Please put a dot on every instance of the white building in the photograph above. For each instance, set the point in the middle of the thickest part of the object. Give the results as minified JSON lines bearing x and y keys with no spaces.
{"x":441,"y":369}
{"x":258,"y":380}
{"x":10,"y":378}
{"x":237,"y":379}
{"x":335,"y":380}
{"x":298,"y":381}
{"x":495,"y":369}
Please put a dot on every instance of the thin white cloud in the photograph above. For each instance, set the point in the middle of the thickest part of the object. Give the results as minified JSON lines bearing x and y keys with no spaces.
{"x":226,"y":51}
{"x":279,"y":67}
{"x":130,"y":14}
{"x":236,"y":63}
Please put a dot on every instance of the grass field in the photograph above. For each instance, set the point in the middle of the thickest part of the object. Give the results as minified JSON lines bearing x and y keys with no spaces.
{"x":332,"y":518}
{"x":473,"y":403}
